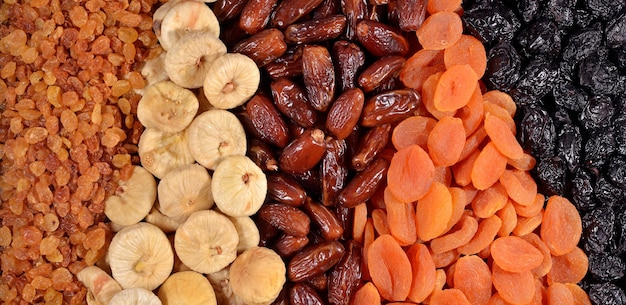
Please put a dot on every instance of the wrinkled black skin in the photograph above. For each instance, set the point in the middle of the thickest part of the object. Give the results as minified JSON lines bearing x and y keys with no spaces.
{"x":564,"y":63}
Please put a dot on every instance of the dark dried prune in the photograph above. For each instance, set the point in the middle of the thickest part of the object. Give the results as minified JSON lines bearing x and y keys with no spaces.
{"x":566,"y":94}
{"x":538,"y":134}
{"x":606,"y":294}
{"x":616,"y":32}
{"x":619,"y":124}
{"x":528,"y":9}
{"x":537,"y":79}
{"x":605,"y":267}
{"x":541,"y":37}
{"x":551,"y":174}
{"x":598,"y":113}
{"x":569,"y":145}
{"x":583,"y":43}
{"x":599,"y":146}
{"x":598,"y":229}
{"x":606,"y":193}
{"x":560,"y":11}
{"x":581,"y":191}
{"x":503,"y":66}
{"x":599,"y":75}
{"x":491,"y":21}
{"x":604,"y":9}
{"x":617,"y":170}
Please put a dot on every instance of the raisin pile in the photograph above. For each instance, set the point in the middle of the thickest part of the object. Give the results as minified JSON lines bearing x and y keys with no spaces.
{"x":564,"y":63}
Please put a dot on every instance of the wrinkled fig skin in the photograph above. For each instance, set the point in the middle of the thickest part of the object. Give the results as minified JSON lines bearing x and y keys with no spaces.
{"x":315,"y":259}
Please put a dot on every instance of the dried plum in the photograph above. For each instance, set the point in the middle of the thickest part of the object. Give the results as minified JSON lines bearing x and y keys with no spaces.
{"x":606,"y":294}
{"x":598,"y":113}
{"x":600,"y":76}
{"x":606,"y":193}
{"x":528,"y":9}
{"x":604,"y":9}
{"x":569,"y":145}
{"x":616,"y":32}
{"x":583,"y":43}
{"x":551,"y":175}
{"x":503,"y":66}
{"x":617,"y":170}
{"x":541,"y":38}
{"x":599,"y":146}
{"x":538,"y":134}
{"x":560,"y":11}
{"x":581,"y":190}
{"x":491,"y":21}
{"x":605,"y":267}
{"x":598,"y":229}
{"x":566,"y":94}
{"x":537,"y":79}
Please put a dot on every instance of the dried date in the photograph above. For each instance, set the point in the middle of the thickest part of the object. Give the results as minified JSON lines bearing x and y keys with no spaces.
{"x":390,"y":107}
{"x":288,"y":65}
{"x":289,"y":11}
{"x":315,"y":259}
{"x":364,"y":184}
{"x":285,"y":189}
{"x":380,"y":72}
{"x":345,"y":277}
{"x":381,"y":39}
{"x":326,"y":8}
{"x":354,"y":10}
{"x":255,"y":15}
{"x":316,"y":30}
{"x":349,"y":59}
{"x":267,"y":121}
{"x":410,"y":13}
{"x":319,"y":76}
{"x":303,"y":153}
{"x":292,"y":102}
{"x":262,"y":155}
{"x":345,"y":113}
{"x":373,"y":143}
{"x":228,"y":9}
{"x":287,"y":245}
{"x":304,"y":294}
{"x":333,"y":171}
{"x":324,"y":219}
{"x":263,"y":47}
{"x":289,"y":219}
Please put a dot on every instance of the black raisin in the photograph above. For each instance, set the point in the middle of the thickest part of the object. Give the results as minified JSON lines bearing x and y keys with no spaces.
{"x":561,"y":11}
{"x":604,"y":9}
{"x":606,"y":193}
{"x":528,"y":9}
{"x":600,"y":76}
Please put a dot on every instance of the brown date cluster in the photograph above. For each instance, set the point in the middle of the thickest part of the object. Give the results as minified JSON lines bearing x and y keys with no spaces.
{"x":320,"y":125}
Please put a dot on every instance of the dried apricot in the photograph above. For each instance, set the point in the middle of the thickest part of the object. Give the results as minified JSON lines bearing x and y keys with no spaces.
{"x":485,"y":233}
{"x":440,"y":30}
{"x":449,"y":296}
{"x":420,"y":66}
{"x":446,"y":141}
{"x":400,"y":219}
{"x":412,"y":130}
{"x":472,"y":113}
{"x":488,"y":167}
{"x":562,"y":227}
{"x":465,"y":230}
{"x":502,"y":138}
{"x":473,"y":277}
{"x":570,"y":267}
{"x":410,"y":173}
{"x":513,"y":287}
{"x":467,"y":50}
{"x":433,"y":212}
{"x":455,"y":88}
{"x":424,"y":272}
{"x":514,"y":254}
{"x":366,"y":295}
{"x":389,"y":268}
{"x":520,"y":186}
{"x":558,"y":293}
{"x":489,"y":201}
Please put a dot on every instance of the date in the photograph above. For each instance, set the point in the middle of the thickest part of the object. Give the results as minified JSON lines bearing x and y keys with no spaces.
{"x":304,"y":294}
{"x":313,"y":260}
{"x":364,"y":184}
{"x":287,"y":245}
{"x":316,"y":30}
{"x":267,"y":121}
{"x":291,"y":101}
{"x":349,"y":58}
{"x":410,"y":13}
{"x":324,"y":219}
{"x":228,"y":9}
{"x":381,"y":39}
{"x":289,"y":219}
{"x":262,"y":155}
{"x":255,"y":15}
{"x":345,"y":277}
{"x":380,"y":72}
{"x":303,"y":153}
{"x":285,"y":189}
{"x":288,"y":65}
{"x":389,"y":107}
{"x":289,"y":11}
{"x":333,"y":170}
{"x":263,"y":47}
{"x":345,"y":113}
{"x":373,"y":143}
{"x":354,"y":10}
{"x":319,"y":76}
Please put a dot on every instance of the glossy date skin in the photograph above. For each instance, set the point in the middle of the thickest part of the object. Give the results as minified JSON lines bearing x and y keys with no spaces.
{"x":290,"y":220}
{"x":345,"y":113}
{"x":345,"y":277}
{"x":333,"y":171}
{"x":390,"y":107}
{"x":304,"y":152}
{"x":285,"y":189}
{"x":324,"y":220}
{"x":267,"y":121}
{"x":317,"y":30}
{"x":263,"y":47}
{"x":291,"y":101}
{"x":314,"y":260}
{"x":374,"y":141}
{"x":318,"y":73}
{"x":364,"y":184}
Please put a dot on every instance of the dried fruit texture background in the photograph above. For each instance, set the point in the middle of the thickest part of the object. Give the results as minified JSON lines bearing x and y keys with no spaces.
{"x":69,"y":89}
{"x":564,"y":63}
